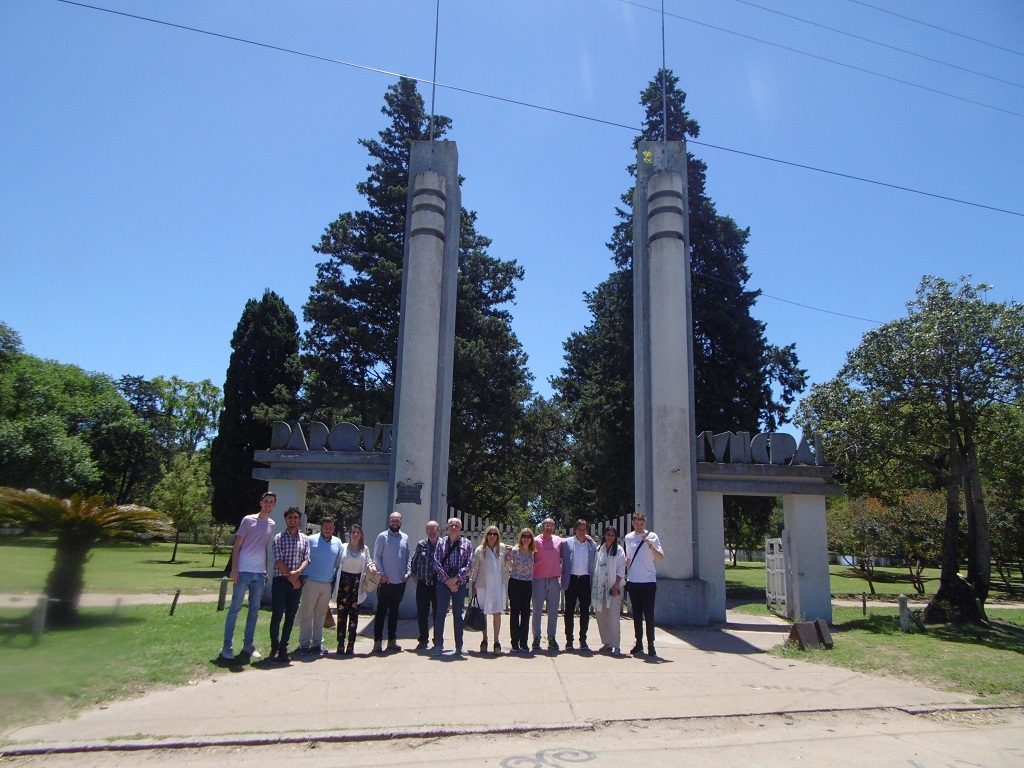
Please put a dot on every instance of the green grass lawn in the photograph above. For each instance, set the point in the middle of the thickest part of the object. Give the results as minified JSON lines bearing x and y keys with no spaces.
{"x":747,"y":580}
{"x":110,"y":655}
{"x":987,"y":662}
{"x":115,"y":568}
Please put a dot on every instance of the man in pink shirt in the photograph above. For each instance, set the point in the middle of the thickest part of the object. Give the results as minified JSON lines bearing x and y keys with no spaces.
{"x":547,"y":582}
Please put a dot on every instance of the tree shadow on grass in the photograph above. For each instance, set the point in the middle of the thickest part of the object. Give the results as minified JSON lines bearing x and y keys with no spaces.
{"x":17,"y":632}
{"x":212,"y":573}
{"x":1000,"y":635}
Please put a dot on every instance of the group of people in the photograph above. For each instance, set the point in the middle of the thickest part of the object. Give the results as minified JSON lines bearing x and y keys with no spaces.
{"x":530,"y":574}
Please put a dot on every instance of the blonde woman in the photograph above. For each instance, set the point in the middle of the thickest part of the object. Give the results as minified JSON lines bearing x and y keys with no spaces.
{"x":489,"y":574}
{"x":520,"y":590}
{"x":350,"y":587}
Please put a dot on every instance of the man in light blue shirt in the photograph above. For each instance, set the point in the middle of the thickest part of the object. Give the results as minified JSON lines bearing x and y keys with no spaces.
{"x":324,"y":560}
{"x":391,"y":554}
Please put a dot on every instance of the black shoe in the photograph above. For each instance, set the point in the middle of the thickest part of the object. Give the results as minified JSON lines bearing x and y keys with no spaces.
{"x":536,"y":643}
{"x":584,"y":646}
{"x":638,"y":650}
{"x":350,"y":649}
{"x":421,"y":645}
{"x":497,"y":648}
{"x":394,"y":647}
{"x":483,"y":645}
{"x":568,"y":643}
{"x":283,"y":657}
{"x":553,"y":645}
{"x":316,"y":650}
{"x":341,"y":649}
{"x":651,"y":651}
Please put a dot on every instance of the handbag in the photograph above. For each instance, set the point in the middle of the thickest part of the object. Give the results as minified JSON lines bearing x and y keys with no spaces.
{"x":371,"y":580}
{"x":475,"y":619}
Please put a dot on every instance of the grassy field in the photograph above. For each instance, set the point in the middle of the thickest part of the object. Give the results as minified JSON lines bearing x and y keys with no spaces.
{"x":747,"y":578}
{"x":115,"y":568}
{"x":111,"y":655}
{"x":987,"y":662}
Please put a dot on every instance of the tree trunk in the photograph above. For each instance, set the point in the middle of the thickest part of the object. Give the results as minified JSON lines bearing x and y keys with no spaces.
{"x":67,"y":579}
{"x":979,"y":556}
{"x":955,"y":599}
{"x":177,"y":538}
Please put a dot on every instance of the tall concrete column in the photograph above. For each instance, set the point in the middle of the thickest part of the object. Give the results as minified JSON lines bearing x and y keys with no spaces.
{"x":808,"y":592}
{"x":711,"y":529}
{"x":418,"y":475}
{"x":665,"y":438}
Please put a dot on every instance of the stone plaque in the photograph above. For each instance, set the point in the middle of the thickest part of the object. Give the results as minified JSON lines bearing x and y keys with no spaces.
{"x":408,"y":493}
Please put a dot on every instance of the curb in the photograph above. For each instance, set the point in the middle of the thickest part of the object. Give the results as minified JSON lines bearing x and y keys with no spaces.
{"x":342,"y":737}
{"x":298,"y":738}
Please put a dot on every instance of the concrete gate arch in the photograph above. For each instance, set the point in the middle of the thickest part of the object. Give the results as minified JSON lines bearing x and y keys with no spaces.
{"x":681,"y":477}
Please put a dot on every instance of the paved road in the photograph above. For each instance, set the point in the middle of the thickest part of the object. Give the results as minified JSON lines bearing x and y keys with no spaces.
{"x":877,"y":738}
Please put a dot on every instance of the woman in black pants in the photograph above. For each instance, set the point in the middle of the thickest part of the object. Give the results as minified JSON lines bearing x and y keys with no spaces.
{"x":520,"y":590}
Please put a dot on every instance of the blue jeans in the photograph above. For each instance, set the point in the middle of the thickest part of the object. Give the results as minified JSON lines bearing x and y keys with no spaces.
{"x":457,"y":600}
{"x":253,"y":582}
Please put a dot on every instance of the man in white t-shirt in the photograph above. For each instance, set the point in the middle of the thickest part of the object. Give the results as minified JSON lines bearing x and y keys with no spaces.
{"x":643,"y":549}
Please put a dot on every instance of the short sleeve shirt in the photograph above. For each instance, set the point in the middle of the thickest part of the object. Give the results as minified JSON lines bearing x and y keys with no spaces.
{"x":252,"y":557}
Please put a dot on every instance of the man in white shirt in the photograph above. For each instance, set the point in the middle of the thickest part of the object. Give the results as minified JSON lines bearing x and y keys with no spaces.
{"x":578,"y":556}
{"x":643,"y":549}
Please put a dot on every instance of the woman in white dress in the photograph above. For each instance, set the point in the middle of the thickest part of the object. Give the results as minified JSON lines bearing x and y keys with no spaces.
{"x":606,"y":585}
{"x":489,"y":573}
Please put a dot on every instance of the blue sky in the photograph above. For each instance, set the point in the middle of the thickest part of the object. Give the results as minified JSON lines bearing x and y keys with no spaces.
{"x":153,"y":179}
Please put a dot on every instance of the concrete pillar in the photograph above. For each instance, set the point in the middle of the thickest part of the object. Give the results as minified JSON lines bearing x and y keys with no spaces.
{"x":809,"y":594}
{"x":711,"y":529}
{"x":290,"y":493}
{"x":374,"y":520}
{"x":418,"y":475}
{"x":666,"y":470}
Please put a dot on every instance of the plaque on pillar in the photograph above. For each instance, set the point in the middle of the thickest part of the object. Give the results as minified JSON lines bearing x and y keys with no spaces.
{"x":408,"y":493}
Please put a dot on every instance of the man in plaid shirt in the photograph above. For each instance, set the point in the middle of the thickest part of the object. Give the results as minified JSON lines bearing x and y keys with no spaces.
{"x":453,"y":559}
{"x":291,"y":556}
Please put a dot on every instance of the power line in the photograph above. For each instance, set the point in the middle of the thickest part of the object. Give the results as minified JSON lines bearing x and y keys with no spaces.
{"x":717,"y":279}
{"x":879,"y":43}
{"x":815,"y":56}
{"x":552,"y":110}
{"x":935,"y":26}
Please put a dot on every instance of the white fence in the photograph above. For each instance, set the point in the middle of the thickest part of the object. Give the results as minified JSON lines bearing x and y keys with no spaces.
{"x":473,"y":527}
{"x":775,"y":576}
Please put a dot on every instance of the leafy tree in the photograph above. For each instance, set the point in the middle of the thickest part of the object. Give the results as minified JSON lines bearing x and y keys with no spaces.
{"x":913,"y":401}
{"x":183,"y":494}
{"x":351,"y":345}
{"x":741,"y":381}
{"x":62,"y":429}
{"x":80,"y":523}
{"x":262,"y":384}
{"x":858,"y":528}
{"x":915,"y":530}
{"x":10,"y":345}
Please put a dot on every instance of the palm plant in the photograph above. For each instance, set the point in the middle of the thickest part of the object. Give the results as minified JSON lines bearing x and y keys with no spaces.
{"x":80,"y":523}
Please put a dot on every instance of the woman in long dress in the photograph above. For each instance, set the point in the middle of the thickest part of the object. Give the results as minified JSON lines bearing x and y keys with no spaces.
{"x":606,"y":590}
{"x":489,"y":574}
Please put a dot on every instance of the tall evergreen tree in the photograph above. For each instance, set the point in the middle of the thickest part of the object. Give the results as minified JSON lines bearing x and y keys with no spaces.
{"x":741,"y":382}
{"x":262,"y":384}
{"x":351,"y":345}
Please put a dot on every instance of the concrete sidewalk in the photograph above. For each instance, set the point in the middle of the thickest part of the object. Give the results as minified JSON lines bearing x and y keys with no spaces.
{"x":702,"y":672}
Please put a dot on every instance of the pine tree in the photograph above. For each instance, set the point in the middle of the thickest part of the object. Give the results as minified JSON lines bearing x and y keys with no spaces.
{"x":737,"y":373}
{"x":351,"y":345}
{"x":262,"y":384}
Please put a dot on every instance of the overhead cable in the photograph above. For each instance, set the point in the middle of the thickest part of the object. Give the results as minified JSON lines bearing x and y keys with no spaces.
{"x":940,"y":29}
{"x":815,"y":56}
{"x":878,"y":43}
{"x":540,"y":107}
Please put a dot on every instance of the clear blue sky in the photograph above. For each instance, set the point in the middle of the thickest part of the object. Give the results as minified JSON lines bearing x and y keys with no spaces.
{"x":153,"y":179}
